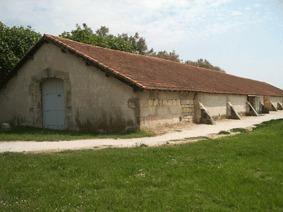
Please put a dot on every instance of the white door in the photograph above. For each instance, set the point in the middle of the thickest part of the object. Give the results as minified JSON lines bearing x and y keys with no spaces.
{"x":53,"y":104}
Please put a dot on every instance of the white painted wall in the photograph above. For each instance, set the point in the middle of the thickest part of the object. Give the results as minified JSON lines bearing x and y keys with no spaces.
{"x":238,"y":102}
{"x":216,"y":104}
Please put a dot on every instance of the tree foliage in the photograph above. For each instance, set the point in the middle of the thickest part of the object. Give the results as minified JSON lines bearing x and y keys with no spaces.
{"x":123,"y":42}
{"x":204,"y":64}
{"x":14,"y":43}
{"x":101,"y":37}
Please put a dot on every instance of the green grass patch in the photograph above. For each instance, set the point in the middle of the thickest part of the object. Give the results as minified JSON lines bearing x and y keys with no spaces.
{"x":36,"y":134}
{"x":235,"y":173}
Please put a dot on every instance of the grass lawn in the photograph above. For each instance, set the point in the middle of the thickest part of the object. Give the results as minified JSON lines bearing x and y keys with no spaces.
{"x":36,"y":134}
{"x":240,"y":173}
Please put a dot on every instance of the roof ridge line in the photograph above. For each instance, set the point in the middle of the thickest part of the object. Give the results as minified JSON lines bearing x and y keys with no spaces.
{"x":147,"y":56}
{"x":135,"y":54}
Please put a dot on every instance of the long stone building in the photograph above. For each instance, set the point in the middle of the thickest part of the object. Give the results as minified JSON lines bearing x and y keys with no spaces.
{"x":63,"y":84}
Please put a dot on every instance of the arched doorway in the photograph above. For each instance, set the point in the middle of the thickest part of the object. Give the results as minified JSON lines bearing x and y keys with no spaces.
{"x":53,"y":104}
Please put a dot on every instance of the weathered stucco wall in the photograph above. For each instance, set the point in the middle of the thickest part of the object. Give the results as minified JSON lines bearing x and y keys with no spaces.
{"x":93,"y":100}
{"x":14,"y":106}
{"x":216,"y":104}
{"x":162,"y":108}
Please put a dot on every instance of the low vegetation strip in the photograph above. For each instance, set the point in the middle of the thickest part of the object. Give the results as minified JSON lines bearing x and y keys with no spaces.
{"x":241,"y":173}
{"x":36,"y":134}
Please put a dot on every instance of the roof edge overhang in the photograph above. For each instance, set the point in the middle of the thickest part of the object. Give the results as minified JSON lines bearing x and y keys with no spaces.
{"x":209,"y":92}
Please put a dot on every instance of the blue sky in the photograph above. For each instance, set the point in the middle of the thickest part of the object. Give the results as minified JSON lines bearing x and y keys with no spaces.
{"x":243,"y":37}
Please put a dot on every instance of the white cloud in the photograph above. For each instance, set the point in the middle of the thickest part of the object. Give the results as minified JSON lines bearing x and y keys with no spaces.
{"x":195,"y":28}
{"x":164,"y":23}
{"x":236,"y":13}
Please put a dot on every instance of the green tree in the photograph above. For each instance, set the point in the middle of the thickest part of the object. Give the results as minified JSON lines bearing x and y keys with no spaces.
{"x":102,"y":37}
{"x":102,"y":31}
{"x":14,"y":43}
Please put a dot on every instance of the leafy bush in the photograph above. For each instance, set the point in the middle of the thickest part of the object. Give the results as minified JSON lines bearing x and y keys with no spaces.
{"x":14,"y":43}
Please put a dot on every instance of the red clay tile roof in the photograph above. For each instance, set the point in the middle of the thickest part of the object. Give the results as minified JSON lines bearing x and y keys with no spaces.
{"x":158,"y":74}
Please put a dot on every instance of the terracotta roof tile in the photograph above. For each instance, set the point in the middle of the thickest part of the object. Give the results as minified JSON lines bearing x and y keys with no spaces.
{"x":155,"y":73}
{"x":159,"y":74}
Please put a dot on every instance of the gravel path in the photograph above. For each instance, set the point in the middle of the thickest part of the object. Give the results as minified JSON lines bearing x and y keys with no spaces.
{"x":193,"y":131}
